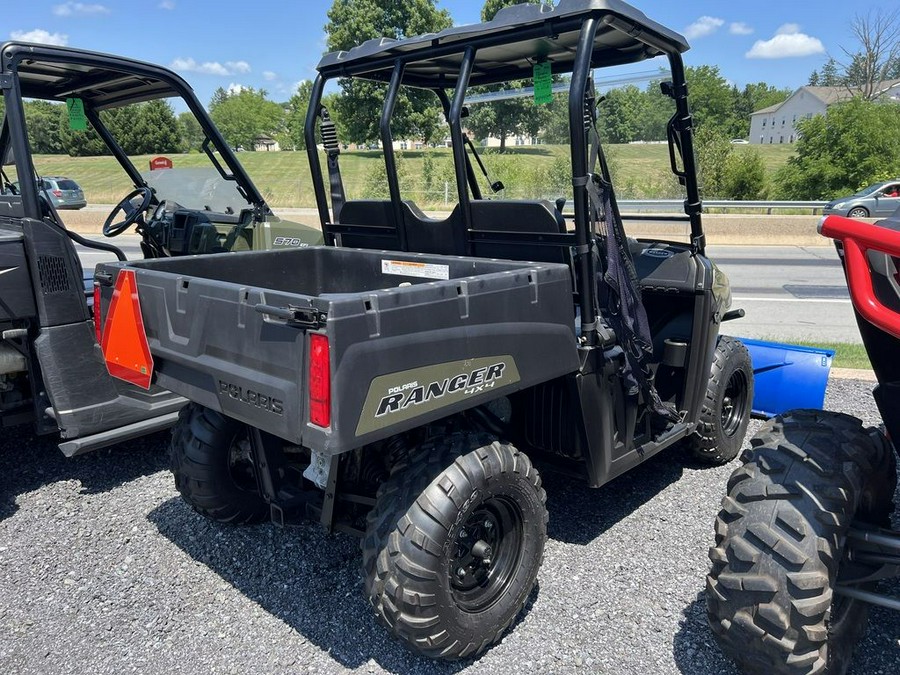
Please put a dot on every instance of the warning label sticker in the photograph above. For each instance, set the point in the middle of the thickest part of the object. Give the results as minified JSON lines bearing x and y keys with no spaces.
{"x":409,"y":268}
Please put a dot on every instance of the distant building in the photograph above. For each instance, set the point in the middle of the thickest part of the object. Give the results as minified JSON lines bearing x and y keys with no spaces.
{"x":777,"y":124}
{"x":265,"y":144}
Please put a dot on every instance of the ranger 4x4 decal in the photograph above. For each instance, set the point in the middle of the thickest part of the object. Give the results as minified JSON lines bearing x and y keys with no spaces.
{"x":401,"y":396}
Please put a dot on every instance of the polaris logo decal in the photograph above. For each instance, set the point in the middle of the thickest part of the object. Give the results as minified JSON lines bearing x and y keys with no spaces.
{"x":401,"y":396}
{"x":252,"y":398}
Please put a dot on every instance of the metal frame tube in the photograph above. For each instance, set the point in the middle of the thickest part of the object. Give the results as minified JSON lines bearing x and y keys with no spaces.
{"x":312,"y":150}
{"x":470,"y":172}
{"x":580,"y":176}
{"x":692,"y":204}
{"x":390,"y":162}
{"x":15,"y":119}
{"x":456,"y":136}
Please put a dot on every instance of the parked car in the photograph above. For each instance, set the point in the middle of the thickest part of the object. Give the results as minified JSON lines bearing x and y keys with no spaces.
{"x":876,"y":201}
{"x":64,"y":192}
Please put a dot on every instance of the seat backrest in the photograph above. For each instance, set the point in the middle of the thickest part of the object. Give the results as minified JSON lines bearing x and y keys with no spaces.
{"x":423,"y":234}
{"x":526,"y":217}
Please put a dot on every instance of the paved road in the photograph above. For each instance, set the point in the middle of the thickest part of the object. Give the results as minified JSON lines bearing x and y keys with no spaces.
{"x":789,"y":292}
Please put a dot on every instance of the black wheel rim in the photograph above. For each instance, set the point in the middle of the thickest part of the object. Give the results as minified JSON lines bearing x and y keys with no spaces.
{"x":240,"y":464}
{"x":734,"y":403}
{"x":487,"y":552}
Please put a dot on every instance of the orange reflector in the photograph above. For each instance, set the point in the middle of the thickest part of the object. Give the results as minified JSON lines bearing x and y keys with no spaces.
{"x":124,"y":343}
{"x":319,"y":380}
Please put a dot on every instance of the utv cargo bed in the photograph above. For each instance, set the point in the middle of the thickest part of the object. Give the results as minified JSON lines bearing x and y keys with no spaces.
{"x":407,"y":338}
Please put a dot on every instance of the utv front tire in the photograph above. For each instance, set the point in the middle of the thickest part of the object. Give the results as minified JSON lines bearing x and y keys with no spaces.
{"x":725,"y":414}
{"x":780,"y":543}
{"x":454,"y":544}
{"x":212,"y":467}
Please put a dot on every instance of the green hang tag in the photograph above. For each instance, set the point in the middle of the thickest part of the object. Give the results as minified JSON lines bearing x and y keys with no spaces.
{"x":77,"y":120}
{"x":543,"y":83}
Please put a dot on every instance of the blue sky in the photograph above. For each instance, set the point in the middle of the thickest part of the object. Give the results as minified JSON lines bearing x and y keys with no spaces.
{"x":274,"y":45}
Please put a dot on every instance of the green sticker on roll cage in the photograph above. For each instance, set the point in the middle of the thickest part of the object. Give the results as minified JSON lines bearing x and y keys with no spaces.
{"x":543,"y":83}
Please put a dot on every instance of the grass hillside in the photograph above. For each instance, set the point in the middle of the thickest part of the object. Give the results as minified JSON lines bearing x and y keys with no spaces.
{"x":640,"y":172}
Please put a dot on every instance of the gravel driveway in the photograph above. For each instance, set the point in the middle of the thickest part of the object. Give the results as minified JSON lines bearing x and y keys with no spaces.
{"x":104,"y":570}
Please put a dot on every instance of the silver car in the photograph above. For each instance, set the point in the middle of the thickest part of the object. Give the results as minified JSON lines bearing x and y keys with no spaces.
{"x":876,"y":201}
{"x":64,"y":192}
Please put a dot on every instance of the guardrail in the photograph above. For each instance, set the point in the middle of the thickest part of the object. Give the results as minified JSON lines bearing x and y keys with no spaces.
{"x":677,"y":205}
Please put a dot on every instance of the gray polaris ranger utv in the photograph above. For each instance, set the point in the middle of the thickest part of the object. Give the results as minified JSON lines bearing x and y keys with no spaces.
{"x":402,"y":381}
{"x":52,"y":374}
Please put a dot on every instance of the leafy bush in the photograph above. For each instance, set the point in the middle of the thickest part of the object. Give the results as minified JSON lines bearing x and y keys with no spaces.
{"x":745,"y":176}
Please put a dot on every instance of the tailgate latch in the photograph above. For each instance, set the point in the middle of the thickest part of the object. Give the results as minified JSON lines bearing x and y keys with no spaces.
{"x":299,"y":317}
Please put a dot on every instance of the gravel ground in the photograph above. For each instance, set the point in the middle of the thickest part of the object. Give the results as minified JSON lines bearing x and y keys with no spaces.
{"x":104,"y":570}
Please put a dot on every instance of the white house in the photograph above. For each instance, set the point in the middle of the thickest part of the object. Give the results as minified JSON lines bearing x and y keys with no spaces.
{"x":778,"y":123}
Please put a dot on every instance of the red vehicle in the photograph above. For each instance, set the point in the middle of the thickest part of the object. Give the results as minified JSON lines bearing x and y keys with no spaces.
{"x":802,"y":538}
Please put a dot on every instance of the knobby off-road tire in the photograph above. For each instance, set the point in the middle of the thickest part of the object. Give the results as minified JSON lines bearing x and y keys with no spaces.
{"x":212,"y":469}
{"x":725,"y":414}
{"x":780,"y":539}
{"x":430,"y":518}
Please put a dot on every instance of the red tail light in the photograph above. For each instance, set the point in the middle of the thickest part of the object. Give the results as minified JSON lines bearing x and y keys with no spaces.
{"x":97,"y":331}
{"x":57,"y":193}
{"x":319,"y":381}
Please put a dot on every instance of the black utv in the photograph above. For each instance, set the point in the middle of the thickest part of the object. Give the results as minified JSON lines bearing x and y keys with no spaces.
{"x":403,"y":381}
{"x":52,"y":374}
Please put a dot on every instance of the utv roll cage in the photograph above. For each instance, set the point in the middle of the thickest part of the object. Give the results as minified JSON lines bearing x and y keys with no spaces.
{"x":102,"y":81}
{"x":574,"y":37}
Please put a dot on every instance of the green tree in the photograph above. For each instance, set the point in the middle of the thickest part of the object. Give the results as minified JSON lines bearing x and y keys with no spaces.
{"x":852,"y":145}
{"x":713,"y":152}
{"x":157,"y":129}
{"x":42,"y":119}
{"x":745,"y":175}
{"x":295,"y":116}
{"x":620,"y":114}
{"x":192,"y":133}
{"x":352,"y":22}
{"x":245,"y":115}
{"x":830,"y":76}
{"x":712,"y":100}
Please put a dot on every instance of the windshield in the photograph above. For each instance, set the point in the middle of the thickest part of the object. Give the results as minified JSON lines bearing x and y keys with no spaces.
{"x":871,"y":189}
{"x":199,"y":188}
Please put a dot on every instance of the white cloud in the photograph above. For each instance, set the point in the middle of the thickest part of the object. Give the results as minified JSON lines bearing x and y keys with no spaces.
{"x":41,"y":36}
{"x":166,"y":4}
{"x":269,"y":76}
{"x":72,"y":8}
{"x":210,"y":67}
{"x":788,"y":42}
{"x":740,"y":28}
{"x":235,"y":67}
{"x":788,"y":29}
{"x":234,"y":88}
{"x":705,"y":25}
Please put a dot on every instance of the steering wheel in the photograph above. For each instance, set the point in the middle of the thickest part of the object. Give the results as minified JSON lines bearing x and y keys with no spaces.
{"x":133,"y":212}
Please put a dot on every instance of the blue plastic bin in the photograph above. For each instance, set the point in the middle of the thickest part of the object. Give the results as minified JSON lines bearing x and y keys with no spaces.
{"x":787,"y":376}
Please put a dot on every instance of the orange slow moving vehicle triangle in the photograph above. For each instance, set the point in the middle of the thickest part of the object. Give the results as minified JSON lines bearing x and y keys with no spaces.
{"x":124,"y":342}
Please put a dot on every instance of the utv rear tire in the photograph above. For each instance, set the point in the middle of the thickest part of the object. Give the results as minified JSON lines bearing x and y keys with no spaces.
{"x":213,"y":473}
{"x":725,"y":414}
{"x":780,"y":540}
{"x":439,"y":505}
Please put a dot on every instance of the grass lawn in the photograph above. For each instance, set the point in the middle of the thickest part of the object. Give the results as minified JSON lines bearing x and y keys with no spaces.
{"x":640,"y":171}
{"x":846,"y":355}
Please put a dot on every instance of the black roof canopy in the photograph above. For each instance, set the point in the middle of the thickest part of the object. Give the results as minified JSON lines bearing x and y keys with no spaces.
{"x":509,"y":45}
{"x":100,"y":80}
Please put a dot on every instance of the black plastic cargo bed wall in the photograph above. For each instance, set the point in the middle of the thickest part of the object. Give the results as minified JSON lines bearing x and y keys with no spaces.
{"x":412,"y":337}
